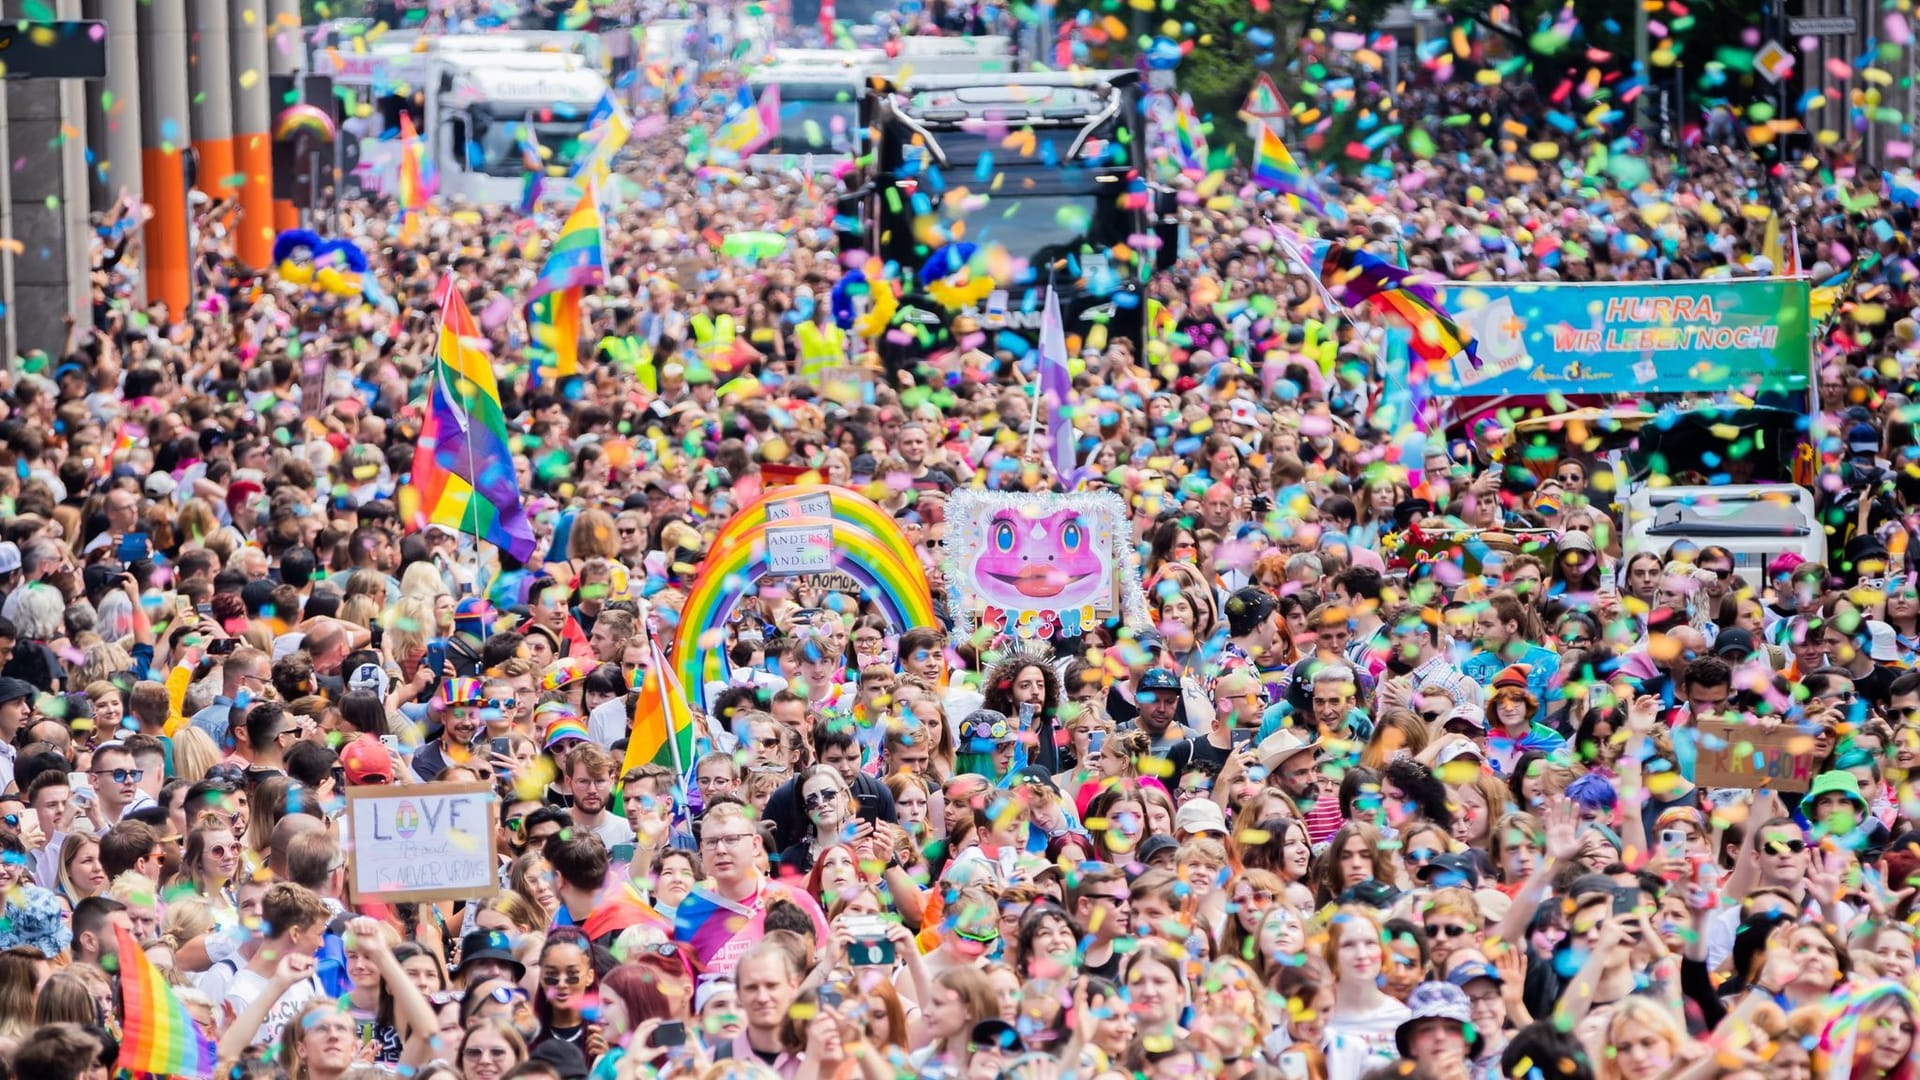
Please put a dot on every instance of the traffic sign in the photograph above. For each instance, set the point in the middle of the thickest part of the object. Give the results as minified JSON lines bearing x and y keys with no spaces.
{"x":1814,"y":26}
{"x":1773,"y":61}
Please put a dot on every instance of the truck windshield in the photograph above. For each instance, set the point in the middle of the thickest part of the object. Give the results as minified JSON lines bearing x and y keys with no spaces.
{"x":494,"y":146}
{"x":815,"y":125}
{"x":1039,"y":227}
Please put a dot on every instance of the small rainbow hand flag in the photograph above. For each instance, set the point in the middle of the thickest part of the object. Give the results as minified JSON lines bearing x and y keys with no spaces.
{"x":1275,"y":170}
{"x":158,"y":1036}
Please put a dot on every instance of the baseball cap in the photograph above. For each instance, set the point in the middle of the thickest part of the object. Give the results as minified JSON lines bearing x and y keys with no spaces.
{"x":1451,"y":868}
{"x":1885,"y":646}
{"x":9,"y":557}
{"x":1248,"y":608}
{"x":1862,"y":439}
{"x":1037,"y":776}
{"x":12,"y":689}
{"x":1464,"y":973}
{"x":1734,"y":642}
{"x":365,"y":761}
{"x":1200,"y":816}
{"x":370,"y":677}
{"x":1159,"y":678}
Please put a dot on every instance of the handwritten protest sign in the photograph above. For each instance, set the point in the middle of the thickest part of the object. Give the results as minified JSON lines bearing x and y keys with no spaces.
{"x":421,"y":842}
{"x":1746,"y":756}
{"x":800,"y":549}
{"x":817,"y":505}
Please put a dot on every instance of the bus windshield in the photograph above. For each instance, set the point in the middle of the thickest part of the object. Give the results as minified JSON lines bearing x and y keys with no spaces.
{"x":494,"y":146}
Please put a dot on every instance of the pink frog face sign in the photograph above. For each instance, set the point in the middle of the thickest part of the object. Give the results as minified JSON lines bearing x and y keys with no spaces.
{"x":1039,"y":562}
{"x":1035,"y":565}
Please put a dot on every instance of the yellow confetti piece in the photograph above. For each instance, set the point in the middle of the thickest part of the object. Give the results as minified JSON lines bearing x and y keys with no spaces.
{"x":1543,"y":151}
{"x":248,"y":77}
{"x":1487,"y":77}
{"x":1877,"y":76}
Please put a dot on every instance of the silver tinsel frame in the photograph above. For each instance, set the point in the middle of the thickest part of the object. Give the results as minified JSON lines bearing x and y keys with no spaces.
{"x":968,"y":510}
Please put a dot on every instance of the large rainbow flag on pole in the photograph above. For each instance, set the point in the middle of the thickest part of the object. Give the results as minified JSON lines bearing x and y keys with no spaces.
{"x":158,"y":1037}
{"x":576,"y":260}
{"x":462,"y":465}
{"x":662,"y":721}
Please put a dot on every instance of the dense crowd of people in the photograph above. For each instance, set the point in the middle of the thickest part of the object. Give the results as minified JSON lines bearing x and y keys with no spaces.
{"x":1323,"y":816}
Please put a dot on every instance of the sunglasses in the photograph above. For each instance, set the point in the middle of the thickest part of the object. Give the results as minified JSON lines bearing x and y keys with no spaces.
{"x":121,"y":776}
{"x":821,"y":799}
{"x":1451,"y":930}
{"x":562,"y":978}
{"x":502,"y":703}
{"x":1783,"y":847}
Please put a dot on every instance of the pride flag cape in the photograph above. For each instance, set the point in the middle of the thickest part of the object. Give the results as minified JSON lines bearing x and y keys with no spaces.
{"x":662,"y":721}
{"x":158,"y":1038}
{"x":462,"y":465}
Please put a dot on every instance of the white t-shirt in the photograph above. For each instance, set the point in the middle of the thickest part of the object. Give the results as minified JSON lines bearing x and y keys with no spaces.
{"x":1355,"y":1044}
{"x":246,"y":987}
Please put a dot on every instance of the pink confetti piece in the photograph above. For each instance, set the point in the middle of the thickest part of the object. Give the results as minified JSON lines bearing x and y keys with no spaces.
{"x":1899,"y":31}
{"x":1899,"y":149}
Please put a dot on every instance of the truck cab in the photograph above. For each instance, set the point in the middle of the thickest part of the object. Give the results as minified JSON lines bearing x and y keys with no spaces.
{"x":1047,"y":166}
{"x":820,"y":92}
{"x":468,"y":94}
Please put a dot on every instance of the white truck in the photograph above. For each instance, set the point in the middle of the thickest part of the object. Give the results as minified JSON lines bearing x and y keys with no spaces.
{"x":468,"y":94}
{"x":821,"y":90}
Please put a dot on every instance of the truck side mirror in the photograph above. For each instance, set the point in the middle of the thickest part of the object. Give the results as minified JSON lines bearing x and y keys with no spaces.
{"x":1166,"y":227}
{"x":849,"y":223}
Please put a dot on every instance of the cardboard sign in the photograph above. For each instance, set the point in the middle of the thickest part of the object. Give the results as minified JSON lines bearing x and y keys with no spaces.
{"x":1745,"y":756}
{"x":422,"y":842}
{"x":817,"y":505}
{"x":799,"y":549}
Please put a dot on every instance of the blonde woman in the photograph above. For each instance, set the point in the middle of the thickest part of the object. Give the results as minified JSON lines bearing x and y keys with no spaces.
{"x":1640,"y":1040}
{"x":193,"y":754}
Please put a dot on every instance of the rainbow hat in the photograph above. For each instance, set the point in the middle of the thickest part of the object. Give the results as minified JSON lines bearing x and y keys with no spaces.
{"x":564,"y":725}
{"x":567,"y":672}
{"x":461,"y":691}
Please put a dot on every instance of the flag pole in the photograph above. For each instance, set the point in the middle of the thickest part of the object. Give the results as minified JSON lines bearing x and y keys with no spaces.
{"x":468,"y":514}
{"x":657,"y":660}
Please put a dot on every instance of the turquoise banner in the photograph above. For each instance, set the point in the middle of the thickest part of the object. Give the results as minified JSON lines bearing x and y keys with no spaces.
{"x":1666,"y":337}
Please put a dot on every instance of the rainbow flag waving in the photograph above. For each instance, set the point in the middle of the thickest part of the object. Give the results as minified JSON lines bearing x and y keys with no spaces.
{"x":534,"y":163}
{"x":662,"y":721}
{"x":1275,"y":170}
{"x":1189,"y":144}
{"x":158,"y":1036}
{"x":418,"y":179}
{"x":1351,"y":277}
{"x":576,"y":259}
{"x":608,"y":129}
{"x":462,"y":465}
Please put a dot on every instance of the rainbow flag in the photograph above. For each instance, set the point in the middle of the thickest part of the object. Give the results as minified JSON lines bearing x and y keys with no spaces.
{"x":576,"y":259}
{"x":418,"y":180}
{"x":1275,"y":170}
{"x":662,"y":721}
{"x":608,"y":129}
{"x":754,"y":125}
{"x":534,"y":163}
{"x":1352,"y":277}
{"x":157,"y":1037}
{"x":554,"y":320}
{"x":1190,"y":145}
{"x":462,"y":466}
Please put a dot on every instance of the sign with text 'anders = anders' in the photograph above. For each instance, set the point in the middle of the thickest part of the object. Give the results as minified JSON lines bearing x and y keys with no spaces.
{"x":421,"y":842}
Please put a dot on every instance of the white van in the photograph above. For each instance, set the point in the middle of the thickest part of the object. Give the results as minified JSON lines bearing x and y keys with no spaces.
{"x":1756,"y":510}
